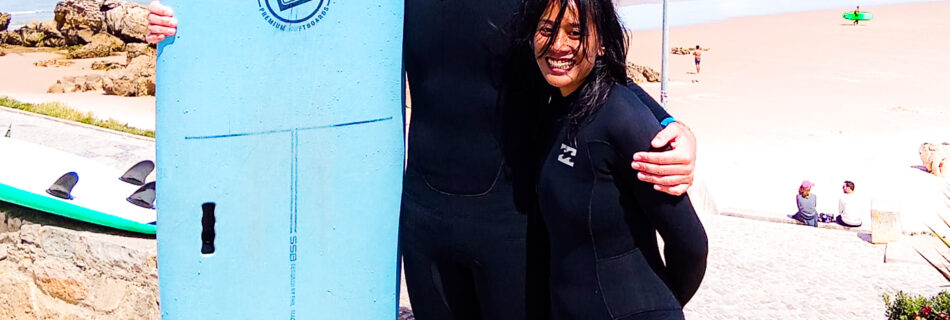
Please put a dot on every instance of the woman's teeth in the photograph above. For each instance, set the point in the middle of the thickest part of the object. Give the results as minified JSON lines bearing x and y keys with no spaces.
{"x":560,"y":63}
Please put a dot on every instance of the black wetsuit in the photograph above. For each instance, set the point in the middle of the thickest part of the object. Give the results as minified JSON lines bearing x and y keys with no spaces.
{"x":602,"y":221}
{"x":462,"y":228}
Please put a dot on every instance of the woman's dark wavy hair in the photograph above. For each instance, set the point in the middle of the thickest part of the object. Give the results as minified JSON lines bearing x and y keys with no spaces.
{"x":609,"y":69}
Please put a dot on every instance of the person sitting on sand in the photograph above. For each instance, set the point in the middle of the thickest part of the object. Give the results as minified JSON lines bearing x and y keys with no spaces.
{"x":697,"y":55}
{"x":807,"y":203}
{"x":849,"y":208}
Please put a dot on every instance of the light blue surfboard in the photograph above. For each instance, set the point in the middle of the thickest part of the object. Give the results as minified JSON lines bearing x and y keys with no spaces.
{"x":280,"y":156}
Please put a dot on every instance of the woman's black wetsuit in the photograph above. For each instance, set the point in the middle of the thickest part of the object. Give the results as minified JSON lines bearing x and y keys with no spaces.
{"x":462,"y":230}
{"x":602,"y":221}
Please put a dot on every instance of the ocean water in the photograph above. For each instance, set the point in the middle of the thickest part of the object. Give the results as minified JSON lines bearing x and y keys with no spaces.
{"x":648,"y":14}
{"x":24,"y":11}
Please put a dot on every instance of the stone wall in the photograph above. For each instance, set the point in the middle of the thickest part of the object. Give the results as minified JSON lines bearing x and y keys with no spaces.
{"x":57,"y":268}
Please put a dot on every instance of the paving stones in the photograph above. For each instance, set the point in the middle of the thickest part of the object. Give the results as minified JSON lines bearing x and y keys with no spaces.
{"x":763,"y":270}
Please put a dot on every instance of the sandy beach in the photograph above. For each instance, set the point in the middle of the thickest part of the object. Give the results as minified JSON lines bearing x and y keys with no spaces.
{"x":808,"y":95}
{"x":22,"y":80}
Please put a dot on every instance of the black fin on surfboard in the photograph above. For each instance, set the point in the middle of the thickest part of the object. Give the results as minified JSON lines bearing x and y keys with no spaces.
{"x":9,"y":129}
{"x":144,"y":197}
{"x":137,"y":173}
{"x":63,"y":187}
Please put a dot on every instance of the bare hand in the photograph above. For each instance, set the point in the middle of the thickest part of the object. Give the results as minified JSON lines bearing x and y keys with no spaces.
{"x":669,"y":171}
{"x":161,"y":22}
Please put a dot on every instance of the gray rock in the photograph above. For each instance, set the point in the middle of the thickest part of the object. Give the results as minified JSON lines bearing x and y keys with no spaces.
{"x":126,"y":20}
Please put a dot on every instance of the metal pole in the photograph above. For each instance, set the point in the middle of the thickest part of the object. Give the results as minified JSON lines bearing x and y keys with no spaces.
{"x":666,"y":52}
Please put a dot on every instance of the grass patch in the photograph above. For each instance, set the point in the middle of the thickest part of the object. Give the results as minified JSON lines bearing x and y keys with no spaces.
{"x":58,"y":110}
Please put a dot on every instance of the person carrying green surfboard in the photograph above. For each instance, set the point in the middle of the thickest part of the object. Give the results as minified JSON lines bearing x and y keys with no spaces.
{"x":857,"y":13}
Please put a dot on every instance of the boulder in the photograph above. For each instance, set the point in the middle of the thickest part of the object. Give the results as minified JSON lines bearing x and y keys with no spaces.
{"x":89,"y":82}
{"x":126,"y":20}
{"x":641,"y":74}
{"x":133,"y":50}
{"x":56,"y":88}
{"x":4,"y":21}
{"x":105,"y":65}
{"x":102,"y":45}
{"x":35,"y":34}
{"x":53,"y":63}
{"x":136,"y":79}
{"x":936,"y":158}
{"x":73,"y":16}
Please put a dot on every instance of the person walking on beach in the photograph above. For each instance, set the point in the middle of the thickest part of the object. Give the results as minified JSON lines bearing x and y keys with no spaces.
{"x":697,"y":56}
{"x":807,"y":205}
{"x":857,"y":11}
{"x":464,"y":208}
{"x":850,"y":208}
{"x":601,"y":222}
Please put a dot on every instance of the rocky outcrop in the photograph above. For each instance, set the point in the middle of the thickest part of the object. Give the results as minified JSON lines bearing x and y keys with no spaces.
{"x":100,"y":45}
{"x":133,"y":50}
{"x":61,"y":271}
{"x":35,"y":34}
{"x":4,"y":21}
{"x":53,"y":63}
{"x":936,"y":158}
{"x":686,"y":51}
{"x":105,"y":65}
{"x":79,"y":18}
{"x":56,"y":88}
{"x":641,"y":74}
{"x":126,"y":20}
{"x":136,"y":79}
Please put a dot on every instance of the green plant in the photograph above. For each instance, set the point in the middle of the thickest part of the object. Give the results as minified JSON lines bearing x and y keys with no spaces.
{"x":942,"y":268}
{"x":58,"y":110}
{"x":907,"y":307}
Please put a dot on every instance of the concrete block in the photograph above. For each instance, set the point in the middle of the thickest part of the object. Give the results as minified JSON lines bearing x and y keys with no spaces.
{"x":885,"y":226}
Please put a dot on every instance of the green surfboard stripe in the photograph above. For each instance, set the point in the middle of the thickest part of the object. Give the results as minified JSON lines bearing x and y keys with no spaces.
{"x":69,"y":210}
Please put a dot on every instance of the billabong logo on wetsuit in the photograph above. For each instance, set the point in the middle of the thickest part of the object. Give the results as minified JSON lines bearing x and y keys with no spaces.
{"x":293,"y":15}
{"x":567,"y":155}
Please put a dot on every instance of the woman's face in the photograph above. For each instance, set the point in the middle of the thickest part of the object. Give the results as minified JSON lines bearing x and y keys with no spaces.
{"x":563,"y":65}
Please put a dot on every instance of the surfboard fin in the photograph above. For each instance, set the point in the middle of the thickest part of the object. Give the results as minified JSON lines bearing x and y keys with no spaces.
{"x":9,"y":129}
{"x":137,"y":173}
{"x":144,"y":197}
{"x":63,"y":187}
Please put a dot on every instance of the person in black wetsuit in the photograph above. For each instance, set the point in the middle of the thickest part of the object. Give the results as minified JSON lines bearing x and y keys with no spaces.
{"x":601,"y":221}
{"x":463,"y":217}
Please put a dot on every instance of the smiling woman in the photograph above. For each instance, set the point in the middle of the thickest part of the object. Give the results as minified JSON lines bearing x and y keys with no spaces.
{"x":600,"y":220}
{"x":563,"y":50}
